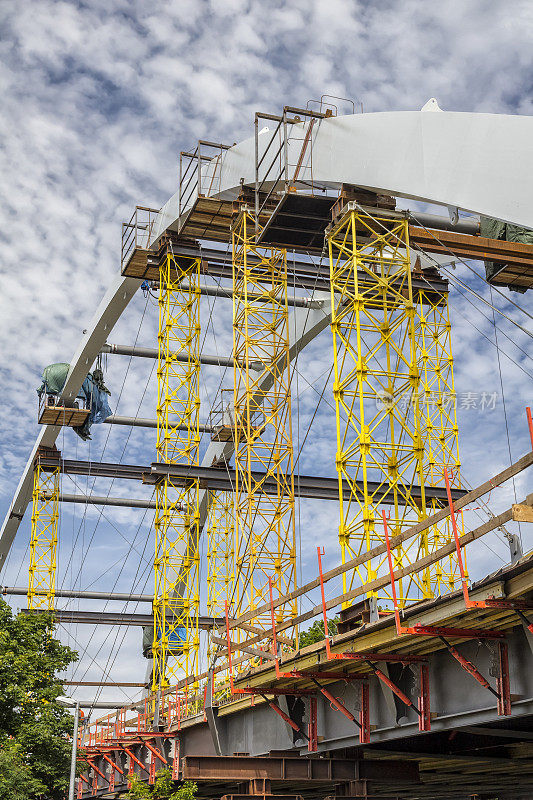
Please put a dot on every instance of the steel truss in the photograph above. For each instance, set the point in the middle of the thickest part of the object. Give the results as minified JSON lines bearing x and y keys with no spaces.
{"x":376,"y":388}
{"x":440,"y":432}
{"x":220,"y":562}
{"x":176,"y":563}
{"x":44,"y":531}
{"x":262,"y":428}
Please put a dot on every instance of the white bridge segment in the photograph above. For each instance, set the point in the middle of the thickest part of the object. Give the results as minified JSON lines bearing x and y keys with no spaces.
{"x":477,"y":162}
{"x":480,"y":163}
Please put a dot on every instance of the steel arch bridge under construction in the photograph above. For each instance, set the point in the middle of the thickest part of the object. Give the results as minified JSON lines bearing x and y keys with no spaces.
{"x":373,"y":708}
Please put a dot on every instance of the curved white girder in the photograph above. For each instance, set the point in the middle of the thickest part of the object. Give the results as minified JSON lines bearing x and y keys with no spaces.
{"x":109,"y":311}
{"x":477,"y":162}
{"x":480,"y":163}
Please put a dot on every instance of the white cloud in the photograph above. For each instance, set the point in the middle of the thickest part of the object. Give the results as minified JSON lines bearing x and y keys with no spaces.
{"x":98,"y":100}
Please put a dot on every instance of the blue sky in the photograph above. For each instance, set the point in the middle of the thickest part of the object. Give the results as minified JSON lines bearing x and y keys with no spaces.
{"x":98,"y":100}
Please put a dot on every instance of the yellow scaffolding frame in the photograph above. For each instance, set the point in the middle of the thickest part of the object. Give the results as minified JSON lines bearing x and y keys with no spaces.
{"x":43,"y":538}
{"x":438,"y":410}
{"x":376,"y":391}
{"x":176,"y":563}
{"x":264,"y":520}
{"x":220,"y":551}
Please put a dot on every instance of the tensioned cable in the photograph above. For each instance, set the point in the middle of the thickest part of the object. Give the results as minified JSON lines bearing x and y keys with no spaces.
{"x":451,"y":278}
{"x":505,"y":412}
{"x":123,"y":561}
{"x":89,"y":491}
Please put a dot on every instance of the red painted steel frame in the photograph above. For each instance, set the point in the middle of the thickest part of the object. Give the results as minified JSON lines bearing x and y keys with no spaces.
{"x":312,"y":728}
{"x":502,"y":693}
{"x":369,"y":658}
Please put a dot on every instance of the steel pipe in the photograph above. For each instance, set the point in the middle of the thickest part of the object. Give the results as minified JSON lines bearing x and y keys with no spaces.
{"x":153,"y":352}
{"x":143,"y":422}
{"x":464,"y":225}
{"x":95,"y":500}
{"x":83,"y":594}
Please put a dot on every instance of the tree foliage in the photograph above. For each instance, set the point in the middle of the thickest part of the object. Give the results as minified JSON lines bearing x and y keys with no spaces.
{"x":35,"y":731}
{"x":164,"y":788}
{"x":316,"y":632}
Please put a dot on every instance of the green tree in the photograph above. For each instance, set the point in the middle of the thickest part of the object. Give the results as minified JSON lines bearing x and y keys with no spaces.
{"x":164,"y":788}
{"x":35,"y":730}
{"x":316,"y":632}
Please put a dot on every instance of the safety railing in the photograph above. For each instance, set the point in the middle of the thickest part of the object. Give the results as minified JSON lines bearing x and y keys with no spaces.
{"x":137,"y":233}
{"x":199,"y":173}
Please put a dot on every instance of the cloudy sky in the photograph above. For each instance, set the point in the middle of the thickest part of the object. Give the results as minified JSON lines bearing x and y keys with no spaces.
{"x":98,"y":98}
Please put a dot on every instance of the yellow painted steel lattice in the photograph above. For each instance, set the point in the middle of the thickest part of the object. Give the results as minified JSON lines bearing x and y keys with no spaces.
{"x":439,"y":428}
{"x":220,"y":569}
{"x":220,"y":552}
{"x":380,"y":449}
{"x":264,"y":486}
{"x":176,"y":562}
{"x":43,"y":541}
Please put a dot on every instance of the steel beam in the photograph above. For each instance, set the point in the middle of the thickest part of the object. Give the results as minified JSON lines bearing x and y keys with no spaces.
{"x":105,"y":683}
{"x":217,"y":478}
{"x":115,"y":618}
{"x":304,"y":274}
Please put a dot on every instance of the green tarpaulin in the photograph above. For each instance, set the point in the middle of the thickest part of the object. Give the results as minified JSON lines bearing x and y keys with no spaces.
{"x":496,"y":229}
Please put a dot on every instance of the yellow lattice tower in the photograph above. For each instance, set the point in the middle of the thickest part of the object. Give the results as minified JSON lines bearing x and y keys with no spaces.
{"x":220,"y":566}
{"x":380,"y":452}
{"x":176,"y":562}
{"x":220,"y":552}
{"x":264,"y":484}
{"x":439,"y":419}
{"x":43,"y":541}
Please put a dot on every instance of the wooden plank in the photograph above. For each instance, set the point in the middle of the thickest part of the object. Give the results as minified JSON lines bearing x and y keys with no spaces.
{"x":477,"y":247}
{"x":235,"y":646}
{"x":416,"y":566}
{"x":522,"y":512}
{"x":497,"y":480}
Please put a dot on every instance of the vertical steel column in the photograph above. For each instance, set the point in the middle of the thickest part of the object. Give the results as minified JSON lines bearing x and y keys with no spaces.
{"x":376,"y":388}
{"x":44,"y":531}
{"x":220,"y":561}
{"x":264,"y":523}
{"x":440,"y":432}
{"x":176,"y":563}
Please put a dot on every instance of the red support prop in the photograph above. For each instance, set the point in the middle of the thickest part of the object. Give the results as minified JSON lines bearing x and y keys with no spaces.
{"x":274,"y":706}
{"x":530,"y":424}
{"x":423,"y":699}
{"x":464,"y":583}
{"x":176,"y":759}
{"x":133,"y":757}
{"x":155,"y":752}
{"x":312,"y":728}
{"x":151,"y":773}
{"x":115,"y":766}
{"x":364,"y":714}
{"x":504,"y":689}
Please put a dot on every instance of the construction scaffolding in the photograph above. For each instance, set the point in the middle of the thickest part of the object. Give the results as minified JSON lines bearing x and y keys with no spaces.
{"x":44,"y":531}
{"x":440,"y":432}
{"x":264,"y":522}
{"x":376,"y":389}
{"x":176,"y":563}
